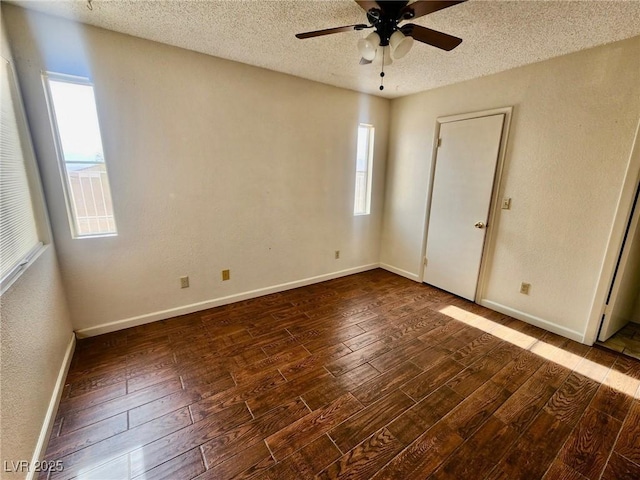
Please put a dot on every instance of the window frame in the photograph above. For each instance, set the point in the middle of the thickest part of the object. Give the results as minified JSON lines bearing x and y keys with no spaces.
{"x":369,"y":161}
{"x":72,"y":214}
{"x":40,"y":218}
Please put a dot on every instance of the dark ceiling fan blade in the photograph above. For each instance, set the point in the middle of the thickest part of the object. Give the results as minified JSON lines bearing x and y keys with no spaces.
{"x":431,"y":37}
{"x":367,"y":5}
{"x":421,"y":8}
{"x":364,"y":61}
{"x":329,"y":31}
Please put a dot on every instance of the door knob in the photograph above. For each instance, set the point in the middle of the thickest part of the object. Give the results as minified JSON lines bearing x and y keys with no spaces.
{"x":479,"y":225}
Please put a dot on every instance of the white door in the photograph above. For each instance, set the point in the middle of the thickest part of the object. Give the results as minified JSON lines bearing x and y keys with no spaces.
{"x":623,"y":297}
{"x":463,"y":181}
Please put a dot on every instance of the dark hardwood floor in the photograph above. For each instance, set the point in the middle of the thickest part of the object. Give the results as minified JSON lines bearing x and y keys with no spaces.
{"x":366,"y":376}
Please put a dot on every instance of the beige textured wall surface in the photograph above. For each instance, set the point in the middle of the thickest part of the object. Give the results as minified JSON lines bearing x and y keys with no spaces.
{"x":571,"y":136}
{"x":34,"y":335}
{"x":35,"y":332}
{"x":213,"y":165}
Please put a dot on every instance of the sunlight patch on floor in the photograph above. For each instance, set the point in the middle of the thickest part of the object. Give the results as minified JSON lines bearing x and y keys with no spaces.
{"x":601,"y":374}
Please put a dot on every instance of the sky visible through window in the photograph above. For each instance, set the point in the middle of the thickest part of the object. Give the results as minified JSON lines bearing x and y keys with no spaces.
{"x":77,"y":122}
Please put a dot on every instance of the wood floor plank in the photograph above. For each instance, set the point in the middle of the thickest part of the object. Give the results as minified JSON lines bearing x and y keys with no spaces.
{"x":151,"y":378}
{"x":415,"y":421}
{"x":305,"y":463}
{"x":432,"y":378}
{"x":395,"y":358}
{"x":542,"y":441}
{"x":357,"y":358}
{"x":334,"y":387}
{"x":196,"y":434}
{"x":62,"y":445}
{"x":370,"y":419}
{"x":471,"y":413}
{"x":119,"y":445}
{"x":365,"y":459}
{"x":297,"y":386}
{"x":480,"y":452}
{"x":236,"y":395}
{"x":424,"y":455}
{"x":245,"y":464}
{"x":314,"y":361}
{"x":628,"y":443}
{"x":81,"y":402}
{"x":278,"y":360}
{"x":318,"y":338}
{"x":560,"y":471}
{"x":249,"y":433}
{"x":311,"y":426}
{"x":83,"y":418}
{"x":365,"y":376}
{"x":589,"y":446}
{"x":187,"y":465}
{"x":161,"y":406}
{"x":475,"y":349}
{"x":378,"y":387}
{"x":572,"y":398}
{"x":471,"y":378}
{"x":621,"y":468}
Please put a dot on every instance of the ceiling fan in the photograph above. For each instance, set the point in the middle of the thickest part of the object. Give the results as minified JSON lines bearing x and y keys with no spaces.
{"x":384,"y":17}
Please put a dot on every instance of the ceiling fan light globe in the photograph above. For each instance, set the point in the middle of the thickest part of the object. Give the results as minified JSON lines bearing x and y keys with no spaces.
{"x":366,"y":49}
{"x":400,"y":44}
{"x":367,"y":46}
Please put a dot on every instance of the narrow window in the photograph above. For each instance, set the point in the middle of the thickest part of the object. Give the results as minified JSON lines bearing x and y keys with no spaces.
{"x":364,"y":163}
{"x":76,"y":130}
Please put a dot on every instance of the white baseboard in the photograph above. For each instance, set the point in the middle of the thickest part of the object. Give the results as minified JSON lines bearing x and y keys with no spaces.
{"x":216,"y":302}
{"x":533,"y":320}
{"x":399,"y":271}
{"x":50,"y":417}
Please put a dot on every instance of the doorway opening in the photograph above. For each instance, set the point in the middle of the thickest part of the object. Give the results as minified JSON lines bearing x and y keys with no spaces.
{"x":620,"y":325}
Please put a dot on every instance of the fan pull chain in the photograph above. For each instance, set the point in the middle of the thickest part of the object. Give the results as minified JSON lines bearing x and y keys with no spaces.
{"x":382,"y":71}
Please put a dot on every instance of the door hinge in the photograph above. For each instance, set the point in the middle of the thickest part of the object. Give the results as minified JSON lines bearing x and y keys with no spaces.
{"x":425,"y":261}
{"x":439,"y":142}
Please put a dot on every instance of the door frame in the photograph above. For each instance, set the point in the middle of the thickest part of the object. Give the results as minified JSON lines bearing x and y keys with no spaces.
{"x":489,"y":240}
{"x":614,"y":245}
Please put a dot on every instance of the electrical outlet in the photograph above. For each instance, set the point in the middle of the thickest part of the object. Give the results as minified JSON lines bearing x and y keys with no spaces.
{"x":184,"y":282}
{"x":506,"y":203}
{"x":226,"y":275}
{"x":524,"y":288}
{"x":337,"y":254}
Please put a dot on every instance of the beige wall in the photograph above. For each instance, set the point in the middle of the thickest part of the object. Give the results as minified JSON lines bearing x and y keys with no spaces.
{"x":571,"y":136}
{"x":35,"y":332}
{"x":212,"y":164}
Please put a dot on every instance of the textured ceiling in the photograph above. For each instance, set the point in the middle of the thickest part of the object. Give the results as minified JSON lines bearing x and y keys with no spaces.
{"x":498,"y":35}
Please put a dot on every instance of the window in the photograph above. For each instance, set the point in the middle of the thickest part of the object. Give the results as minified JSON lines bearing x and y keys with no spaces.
{"x":364,"y":163}
{"x":76,"y":131}
{"x":19,"y":239}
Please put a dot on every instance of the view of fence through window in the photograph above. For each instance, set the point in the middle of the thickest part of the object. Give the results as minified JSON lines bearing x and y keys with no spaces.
{"x":80,"y":143}
{"x":364,"y":160}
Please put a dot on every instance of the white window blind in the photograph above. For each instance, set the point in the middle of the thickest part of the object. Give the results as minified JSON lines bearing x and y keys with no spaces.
{"x":18,"y":227}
